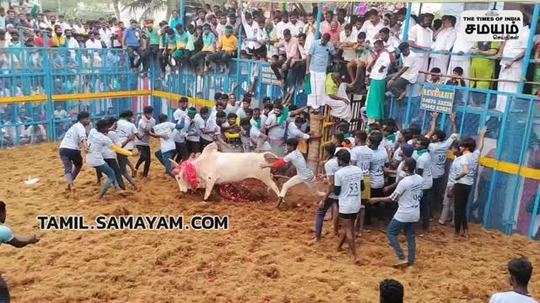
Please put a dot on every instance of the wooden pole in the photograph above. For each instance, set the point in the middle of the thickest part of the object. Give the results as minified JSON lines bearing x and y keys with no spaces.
{"x":315,"y":122}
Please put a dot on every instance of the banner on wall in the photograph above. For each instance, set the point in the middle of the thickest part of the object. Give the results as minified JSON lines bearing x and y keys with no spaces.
{"x":267,"y":76}
{"x":437,"y":99}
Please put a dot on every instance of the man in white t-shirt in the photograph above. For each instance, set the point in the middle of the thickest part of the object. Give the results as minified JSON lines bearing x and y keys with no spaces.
{"x":377,"y":88}
{"x":377,"y":167}
{"x":70,"y":148}
{"x":144,"y":128}
{"x":7,"y":237}
{"x":99,"y":144}
{"x":397,"y":85}
{"x":372,"y":26}
{"x":180,"y":113}
{"x":166,"y":131}
{"x":423,"y":168}
{"x":348,"y":187}
{"x":330,"y":168}
{"x":127,"y":133}
{"x":347,"y":42}
{"x":438,"y":150}
{"x":520,"y":270}
{"x":408,"y":194}
{"x":361,"y":154}
{"x":304,"y":174}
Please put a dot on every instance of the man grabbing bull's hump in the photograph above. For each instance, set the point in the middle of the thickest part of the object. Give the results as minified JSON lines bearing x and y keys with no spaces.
{"x":303,"y":173}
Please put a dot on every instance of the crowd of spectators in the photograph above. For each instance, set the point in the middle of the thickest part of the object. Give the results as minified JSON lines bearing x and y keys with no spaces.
{"x":208,"y":39}
{"x":361,"y":46}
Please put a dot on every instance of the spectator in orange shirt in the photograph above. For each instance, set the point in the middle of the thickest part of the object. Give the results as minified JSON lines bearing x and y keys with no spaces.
{"x":226,"y":49}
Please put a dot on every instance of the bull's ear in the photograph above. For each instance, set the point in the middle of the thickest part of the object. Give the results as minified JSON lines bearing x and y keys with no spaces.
{"x":174,"y":163}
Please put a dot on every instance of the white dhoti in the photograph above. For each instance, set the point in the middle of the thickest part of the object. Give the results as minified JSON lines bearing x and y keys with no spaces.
{"x":440,"y":61}
{"x":339,"y":108}
{"x":462,"y":62}
{"x":317,"y":97}
{"x":511,"y":73}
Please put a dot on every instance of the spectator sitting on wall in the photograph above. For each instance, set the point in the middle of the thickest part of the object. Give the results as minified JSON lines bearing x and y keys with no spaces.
{"x":226,"y":49}
{"x":457,"y":77}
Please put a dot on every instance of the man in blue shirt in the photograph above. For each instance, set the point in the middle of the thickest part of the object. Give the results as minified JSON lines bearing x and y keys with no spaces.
{"x":316,"y":64}
{"x":131,"y":41}
{"x":7,"y":236}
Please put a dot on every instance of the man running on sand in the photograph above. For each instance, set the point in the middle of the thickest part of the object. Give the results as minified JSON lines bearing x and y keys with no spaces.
{"x":7,"y":236}
{"x":70,"y":148}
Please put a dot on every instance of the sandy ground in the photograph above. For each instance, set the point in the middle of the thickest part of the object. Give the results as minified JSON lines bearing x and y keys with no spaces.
{"x":264,"y":257}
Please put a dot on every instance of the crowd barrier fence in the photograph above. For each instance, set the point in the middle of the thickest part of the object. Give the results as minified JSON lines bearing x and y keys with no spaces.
{"x":43,"y":89}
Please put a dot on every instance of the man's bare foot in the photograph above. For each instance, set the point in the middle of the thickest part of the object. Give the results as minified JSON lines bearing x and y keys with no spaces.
{"x":401,"y":264}
{"x":314,"y":241}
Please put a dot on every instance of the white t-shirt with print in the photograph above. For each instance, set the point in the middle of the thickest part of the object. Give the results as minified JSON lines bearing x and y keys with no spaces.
{"x":361,"y":156}
{"x":350,"y":180}
{"x":302,"y":170}
{"x":438,"y":152}
{"x":423,"y":162}
{"x":195,"y":129}
{"x":408,"y":194}
{"x":74,"y":136}
{"x":376,"y":167}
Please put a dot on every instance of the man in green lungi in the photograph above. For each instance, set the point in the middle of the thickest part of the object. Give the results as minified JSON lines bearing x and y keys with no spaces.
{"x":378,"y":71}
{"x":483,"y":68}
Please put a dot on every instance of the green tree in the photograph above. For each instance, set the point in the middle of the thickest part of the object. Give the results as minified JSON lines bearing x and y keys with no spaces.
{"x":149,"y":7}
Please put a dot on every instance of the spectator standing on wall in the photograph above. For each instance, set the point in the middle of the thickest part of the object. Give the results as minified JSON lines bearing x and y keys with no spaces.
{"x":132,"y":41}
{"x":421,"y":41}
{"x":316,"y":65}
{"x":444,"y":41}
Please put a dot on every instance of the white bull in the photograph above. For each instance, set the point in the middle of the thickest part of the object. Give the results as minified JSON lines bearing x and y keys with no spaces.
{"x":215,"y":167}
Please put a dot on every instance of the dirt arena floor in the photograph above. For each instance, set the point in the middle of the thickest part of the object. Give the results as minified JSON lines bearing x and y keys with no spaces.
{"x":263,"y":257}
